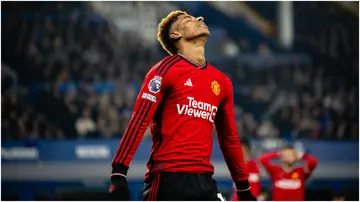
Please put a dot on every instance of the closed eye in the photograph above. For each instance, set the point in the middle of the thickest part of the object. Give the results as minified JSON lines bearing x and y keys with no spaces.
{"x":187,"y":18}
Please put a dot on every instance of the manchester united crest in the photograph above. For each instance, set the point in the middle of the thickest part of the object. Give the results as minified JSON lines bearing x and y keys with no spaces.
{"x":215,"y":87}
{"x":295,"y":175}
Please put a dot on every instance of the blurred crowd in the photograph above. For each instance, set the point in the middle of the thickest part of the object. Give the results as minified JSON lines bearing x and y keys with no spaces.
{"x":72,"y":83}
{"x":69,"y":76}
{"x":317,"y":100}
{"x":295,"y":102}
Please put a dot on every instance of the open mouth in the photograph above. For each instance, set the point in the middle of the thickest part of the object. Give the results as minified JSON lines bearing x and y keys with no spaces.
{"x":202,"y":25}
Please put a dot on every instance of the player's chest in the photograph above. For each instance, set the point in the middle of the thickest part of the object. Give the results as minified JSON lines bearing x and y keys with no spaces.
{"x":200,"y":85}
{"x":294,"y":175}
{"x":289,"y":180}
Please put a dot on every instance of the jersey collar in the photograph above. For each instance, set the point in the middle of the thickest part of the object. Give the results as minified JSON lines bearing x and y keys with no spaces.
{"x":203,"y":66}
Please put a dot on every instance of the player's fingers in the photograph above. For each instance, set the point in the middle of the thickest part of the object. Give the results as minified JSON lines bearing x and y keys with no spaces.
{"x":111,"y":188}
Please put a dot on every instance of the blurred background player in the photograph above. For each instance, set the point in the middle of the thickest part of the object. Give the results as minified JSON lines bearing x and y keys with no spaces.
{"x":253,"y":170}
{"x":182,"y":97}
{"x":288,"y":178}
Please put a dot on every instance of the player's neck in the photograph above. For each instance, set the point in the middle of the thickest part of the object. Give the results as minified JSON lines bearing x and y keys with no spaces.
{"x":287,"y":167}
{"x":194,"y":51}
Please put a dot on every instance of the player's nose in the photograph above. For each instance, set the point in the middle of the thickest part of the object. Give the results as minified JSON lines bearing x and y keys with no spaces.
{"x":200,"y":19}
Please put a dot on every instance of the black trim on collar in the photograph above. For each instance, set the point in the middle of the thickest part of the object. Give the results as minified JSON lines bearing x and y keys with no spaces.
{"x":203,"y":66}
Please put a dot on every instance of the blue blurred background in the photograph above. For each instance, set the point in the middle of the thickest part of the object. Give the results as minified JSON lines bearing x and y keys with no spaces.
{"x":71,"y":72}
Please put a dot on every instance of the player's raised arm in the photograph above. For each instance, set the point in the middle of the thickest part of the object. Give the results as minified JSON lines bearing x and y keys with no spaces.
{"x":151,"y":94}
{"x":266,"y":158}
{"x":311,"y":164}
{"x":230,"y":144}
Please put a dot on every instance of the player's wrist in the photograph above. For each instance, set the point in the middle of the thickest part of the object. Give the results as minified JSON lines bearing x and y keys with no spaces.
{"x":119,"y":170}
{"x":242,"y":185}
{"x":118,"y":181}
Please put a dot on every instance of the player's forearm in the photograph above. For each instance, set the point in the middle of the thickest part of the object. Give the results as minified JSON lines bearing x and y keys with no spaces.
{"x":126,"y":151}
{"x":267,"y":157}
{"x":232,"y":152}
{"x":311,"y":161}
{"x":236,"y":165}
{"x":132,"y":137}
{"x":124,"y":154}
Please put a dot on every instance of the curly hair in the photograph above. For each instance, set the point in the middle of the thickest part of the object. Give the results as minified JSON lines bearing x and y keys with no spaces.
{"x":163,"y":36}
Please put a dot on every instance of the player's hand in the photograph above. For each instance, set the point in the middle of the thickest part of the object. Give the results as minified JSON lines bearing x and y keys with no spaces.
{"x":243,"y":191}
{"x":119,"y":190}
{"x":245,"y":195}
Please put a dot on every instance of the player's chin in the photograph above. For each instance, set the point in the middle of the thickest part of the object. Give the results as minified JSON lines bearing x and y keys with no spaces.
{"x":205,"y":31}
{"x":198,"y":35}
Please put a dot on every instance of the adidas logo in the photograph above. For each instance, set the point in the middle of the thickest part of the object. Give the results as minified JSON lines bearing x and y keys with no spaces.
{"x":188,"y":83}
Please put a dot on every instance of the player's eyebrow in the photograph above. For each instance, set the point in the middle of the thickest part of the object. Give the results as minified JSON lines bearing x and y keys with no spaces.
{"x":187,"y":17}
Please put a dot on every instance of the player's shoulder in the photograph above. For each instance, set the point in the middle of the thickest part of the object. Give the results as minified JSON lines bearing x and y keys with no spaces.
{"x":221,"y":75}
{"x":163,"y":66}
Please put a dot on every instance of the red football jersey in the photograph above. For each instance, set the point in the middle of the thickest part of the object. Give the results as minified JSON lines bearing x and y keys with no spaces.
{"x":288,"y":186}
{"x":181,"y":101}
{"x":254,"y":180}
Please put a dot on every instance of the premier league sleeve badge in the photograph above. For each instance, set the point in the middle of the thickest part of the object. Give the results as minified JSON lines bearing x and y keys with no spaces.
{"x":155,"y":84}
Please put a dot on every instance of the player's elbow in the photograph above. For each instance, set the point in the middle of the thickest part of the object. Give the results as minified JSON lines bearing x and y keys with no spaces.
{"x":315,"y":163}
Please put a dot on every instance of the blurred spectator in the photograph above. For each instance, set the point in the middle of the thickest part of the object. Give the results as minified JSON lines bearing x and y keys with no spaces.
{"x":266,"y":129}
{"x":84,"y":124}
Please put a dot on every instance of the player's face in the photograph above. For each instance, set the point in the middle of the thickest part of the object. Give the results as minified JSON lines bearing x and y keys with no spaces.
{"x":288,"y":156}
{"x":189,"y":27}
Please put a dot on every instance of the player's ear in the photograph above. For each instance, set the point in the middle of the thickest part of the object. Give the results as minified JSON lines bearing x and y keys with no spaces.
{"x":175,"y":35}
